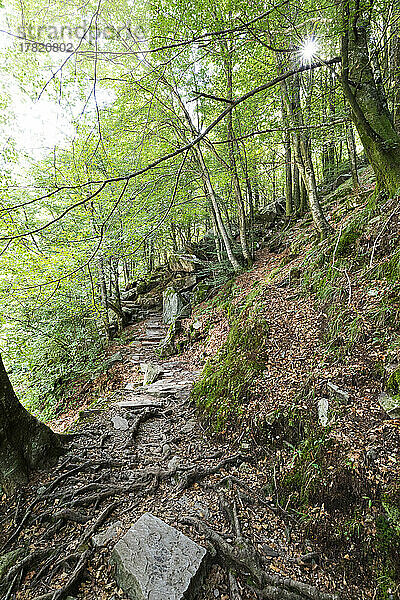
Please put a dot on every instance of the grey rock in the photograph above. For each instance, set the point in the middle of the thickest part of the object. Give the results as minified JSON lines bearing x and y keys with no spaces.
{"x":151,"y":373}
{"x":268,"y":551}
{"x":186,"y":263}
{"x":185,"y":283}
{"x":154,"y":561}
{"x":323,"y":410}
{"x":174,"y":306}
{"x":390,"y":405}
{"x":197,"y":508}
{"x":336,"y":392}
{"x":111,"y":533}
{"x":189,"y":426}
{"x":112,"y":360}
{"x":166,"y":450}
{"x":144,"y":401}
{"x":174,"y":463}
{"x":120,"y":423}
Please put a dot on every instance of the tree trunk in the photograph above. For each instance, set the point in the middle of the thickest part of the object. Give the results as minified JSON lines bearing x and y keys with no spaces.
{"x":368,"y":104}
{"x":288,"y":175}
{"x":351,"y":148}
{"x":25,"y":443}
{"x":217,"y":239}
{"x":103,"y":295}
{"x":232,"y":159}
{"x":296,"y":186}
{"x":211,"y":194}
{"x":302,"y":153}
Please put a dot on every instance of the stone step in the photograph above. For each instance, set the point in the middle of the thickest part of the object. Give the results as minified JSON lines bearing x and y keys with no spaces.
{"x":155,"y":560}
{"x":142,"y":401}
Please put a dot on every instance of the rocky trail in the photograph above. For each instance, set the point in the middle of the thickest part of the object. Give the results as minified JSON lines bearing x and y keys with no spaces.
{"x":189,"y":510}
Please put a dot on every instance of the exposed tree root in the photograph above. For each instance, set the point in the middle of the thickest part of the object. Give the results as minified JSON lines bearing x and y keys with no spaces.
{"x":73,"y":580}
{"x":244,"y":558}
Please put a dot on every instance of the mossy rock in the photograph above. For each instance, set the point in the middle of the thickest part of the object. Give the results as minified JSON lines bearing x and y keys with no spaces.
{"x":7,"y":561}
{"x":393,"y":384}
{"x":226,"y":384}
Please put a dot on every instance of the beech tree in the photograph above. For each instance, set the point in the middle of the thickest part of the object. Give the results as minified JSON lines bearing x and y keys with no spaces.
{"x":364,"y":91}
{"x":26,"y":444}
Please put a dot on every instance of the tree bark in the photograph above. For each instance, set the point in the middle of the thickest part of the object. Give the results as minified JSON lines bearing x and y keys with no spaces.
{"x":367,"y":101}
{"x":213,"y":199}
{"x":302,"y":153}
{"x":351,"y":149}
{"x":232,"y":158}
{"x":26,"y":444}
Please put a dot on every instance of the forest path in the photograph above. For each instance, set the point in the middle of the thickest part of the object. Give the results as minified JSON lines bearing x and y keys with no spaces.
{"x":147,"y":452}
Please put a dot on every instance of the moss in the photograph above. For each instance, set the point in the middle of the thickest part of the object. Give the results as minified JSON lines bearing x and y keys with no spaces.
{"x":225,"y":386}
{"x":348,"y":238}
{"x":393,"y":384}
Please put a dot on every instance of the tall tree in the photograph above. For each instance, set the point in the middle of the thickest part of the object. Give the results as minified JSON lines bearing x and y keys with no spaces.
{"x":25,"y":443}
{"x":365,"y":95}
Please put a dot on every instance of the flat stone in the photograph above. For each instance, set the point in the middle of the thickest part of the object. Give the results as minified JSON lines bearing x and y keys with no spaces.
{"x":336,"y":392}
{"x":120,"y":423}
{"x":131,"y":386}
{"x":323,"y":410}
{"x":154,"y":561}
{"x":139,"y":402}
{"x":189,"y":426}
{"x":390,"y":405}
{"x":162,"y":389}
{"x":111,"y":533}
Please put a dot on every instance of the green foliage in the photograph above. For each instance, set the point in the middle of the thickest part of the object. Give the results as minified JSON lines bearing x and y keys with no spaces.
{"x":306,"y":480}
{"x":227,"y":378}
{"x":393,"y":383}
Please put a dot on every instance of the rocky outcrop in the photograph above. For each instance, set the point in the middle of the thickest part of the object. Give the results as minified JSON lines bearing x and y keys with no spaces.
{"x":175,"y":306}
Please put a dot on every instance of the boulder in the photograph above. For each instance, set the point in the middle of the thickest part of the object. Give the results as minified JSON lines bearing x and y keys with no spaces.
{"x":201,"y":292}
{"x":129,"y":295}
{"x":390,"y":404}
{"x":174,"y":306}
{"x":154,"y":561}
{"x":184,"y":284}
{"x":120,"y":423}
{"x":186,"y":263}
{"x":151,"y":372}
